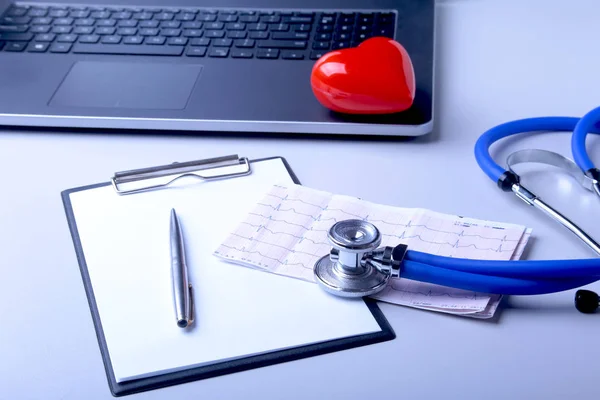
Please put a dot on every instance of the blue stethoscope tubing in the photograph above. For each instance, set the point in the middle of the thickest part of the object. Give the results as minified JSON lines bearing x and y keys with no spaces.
{"x":514,"y":277}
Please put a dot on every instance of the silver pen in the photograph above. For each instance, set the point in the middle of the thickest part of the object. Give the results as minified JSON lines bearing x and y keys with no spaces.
{"x":182,"y":288}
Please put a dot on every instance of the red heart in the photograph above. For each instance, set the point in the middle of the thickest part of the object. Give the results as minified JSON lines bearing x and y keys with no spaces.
{"x":377,"y":77}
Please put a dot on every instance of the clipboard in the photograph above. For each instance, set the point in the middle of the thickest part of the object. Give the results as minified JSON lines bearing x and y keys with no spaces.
{"x":129,"y":183}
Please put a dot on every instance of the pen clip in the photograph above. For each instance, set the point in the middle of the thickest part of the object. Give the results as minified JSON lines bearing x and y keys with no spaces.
{"x":191,"y":294}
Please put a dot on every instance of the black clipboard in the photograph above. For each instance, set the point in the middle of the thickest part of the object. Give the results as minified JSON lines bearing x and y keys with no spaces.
{"x":221,"y":368}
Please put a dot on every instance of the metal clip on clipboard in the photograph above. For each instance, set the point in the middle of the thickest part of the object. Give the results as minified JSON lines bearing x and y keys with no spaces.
{"x":151,"y":178}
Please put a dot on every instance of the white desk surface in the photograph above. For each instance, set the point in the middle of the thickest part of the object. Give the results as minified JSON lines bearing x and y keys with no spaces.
{"x":496,"y":61}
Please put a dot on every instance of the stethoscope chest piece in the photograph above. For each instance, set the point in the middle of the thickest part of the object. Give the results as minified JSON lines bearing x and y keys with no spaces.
{"x":344,"y":271}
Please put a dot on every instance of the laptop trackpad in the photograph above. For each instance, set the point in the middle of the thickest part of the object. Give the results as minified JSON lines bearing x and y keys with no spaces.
{"x":127,"y":85}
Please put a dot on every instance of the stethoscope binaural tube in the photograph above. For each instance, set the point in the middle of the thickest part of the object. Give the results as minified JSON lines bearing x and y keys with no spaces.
{"x":587,"y":123}
{"x":509,"y":181}
{"x":501,"y":277}
{"x":489,"y":283}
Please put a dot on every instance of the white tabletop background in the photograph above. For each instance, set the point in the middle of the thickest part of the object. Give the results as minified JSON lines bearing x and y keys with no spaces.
{"x":495,"y":61}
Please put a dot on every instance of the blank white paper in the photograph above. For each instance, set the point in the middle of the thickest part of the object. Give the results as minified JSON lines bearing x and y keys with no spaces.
{"x":239,"y":311}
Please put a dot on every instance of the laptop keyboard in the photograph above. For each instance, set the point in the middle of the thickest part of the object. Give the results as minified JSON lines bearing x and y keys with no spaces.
{"x":187,"y":32}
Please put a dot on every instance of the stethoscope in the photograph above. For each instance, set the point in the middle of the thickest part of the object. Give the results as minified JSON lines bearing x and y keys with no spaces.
{"x":356,"y":266}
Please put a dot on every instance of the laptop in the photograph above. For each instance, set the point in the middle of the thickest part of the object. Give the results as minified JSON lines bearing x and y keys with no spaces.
{"x":200,"y":65}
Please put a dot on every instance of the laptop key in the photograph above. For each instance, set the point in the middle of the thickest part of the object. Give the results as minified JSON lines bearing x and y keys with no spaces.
{"x":346,"y":19}
{"x":164,"y":16}
{"x":385,"y":32}
{"x":206,"y":18}
{"x":45,"y":37}
{"x":196,"y":51}
{"x":148,"y":32}
{"x":246,"y":43}
{"x":228,"y":18}
{"x":214,"y":26}
{"x":100,"y":14}
{"x":132,"y":40}
{"x":329,"y":28}
{"x":270,"y":19}
{"x":41,"y":21}
{"x":149,"y":24}
{"x":315,"y":55}
{"x":15,"y":46}
{"x":58,"y":13}
{"x":126,"y":31}
{"x":188,"y":16}
{"x":282,"y":44}
{"x":268,"y":53}
{"x":257,"y":27}
{"x":342,"y":37}
{"x":222,"y":42}
{"x":156,"y":40}
{"x":89,"y":39}
{"x":37,"y":12}
{"x":170,"y":24}
{"x":237,"y":34}
{"x":359,"y":37}
{"x":83,"y":30}
{"x":106,"y":22}
{"x":143,"y":16}
{"x":111,"y":39}
{"x":340,"y":45}
{"x":321,"y":45}
{"x":220,"y":52}
{"x":170,"y":32}
{"x":40,"y":29}
{"x":298,"y":20}
{"x":16,"y":37}
{"x":13,"y":28}
{"x":79,"y":14}
{"x":290,"y":36}
{"x":302,"y":28}
{"x":177,"y":41}
{"x":249,"y":18}
{"x":259,"y":35}
{"x":105,"y":31}
{"x":121,"y":15}
{"x":192,"y":25}
{"x":280,"y":27}
{"x":384,"y":18}
{"x":235,"y":26}
{"x":214,"y":34}
{"x":16,"y":11}
{"x":122,"y":49}
{"x":127,"y":23}
{"x":62,"y":29}
{"x":38,"y":47}
{"x":200,"y":42}
{"x":192,"y":33}
{"x":327,"y":20}
{"x":63,"y":21}
{"x":14,"y":20}
{"x":236,"y":53}
{"x":292,"y":55}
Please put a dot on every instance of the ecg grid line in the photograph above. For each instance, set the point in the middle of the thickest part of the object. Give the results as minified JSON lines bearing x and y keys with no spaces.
{"x":286,"y":233}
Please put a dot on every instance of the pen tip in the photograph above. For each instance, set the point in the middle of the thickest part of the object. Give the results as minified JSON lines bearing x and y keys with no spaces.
{"x":182,"y":323}
{"x":173,"y":212}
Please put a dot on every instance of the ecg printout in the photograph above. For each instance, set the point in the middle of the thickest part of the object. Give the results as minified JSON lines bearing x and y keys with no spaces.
{"x":286,"y":233}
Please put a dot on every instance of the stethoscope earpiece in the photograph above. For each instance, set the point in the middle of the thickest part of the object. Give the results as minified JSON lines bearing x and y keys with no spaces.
{"x":586,"y":301}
